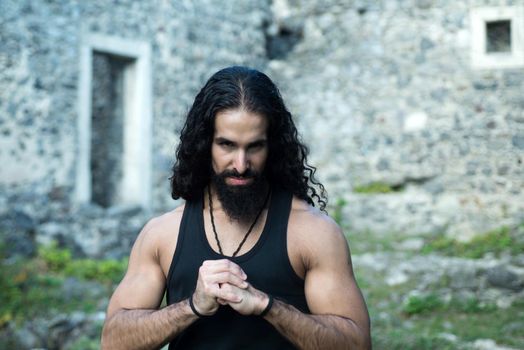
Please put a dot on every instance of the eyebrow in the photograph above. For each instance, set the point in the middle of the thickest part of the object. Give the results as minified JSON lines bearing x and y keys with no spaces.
{"x":256,"y":142}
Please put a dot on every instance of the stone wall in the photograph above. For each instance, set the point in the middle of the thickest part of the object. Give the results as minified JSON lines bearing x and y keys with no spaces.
{"x":382,"y":92}
{"x":39,"y":78}
{"x":385,"y":92}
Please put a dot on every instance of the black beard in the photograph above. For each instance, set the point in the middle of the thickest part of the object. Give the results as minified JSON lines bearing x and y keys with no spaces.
{"x":241,"y":203}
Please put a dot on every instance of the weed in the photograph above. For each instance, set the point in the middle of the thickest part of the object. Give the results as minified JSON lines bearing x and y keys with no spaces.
{"x":417,"y":304}
{"x":34,"y":287}
{"x":375,"y":188}
{"x":338,"y":213}
{"x":470,"y":306}
{"x":55,"y":258}
{"x":60,"y":261}
{"x":495,"y":241}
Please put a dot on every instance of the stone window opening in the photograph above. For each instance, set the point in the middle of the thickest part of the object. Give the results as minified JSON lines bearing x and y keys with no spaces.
{"x":107,"y":126}
{"x":114,"y":122}
{"x":498,"y":36}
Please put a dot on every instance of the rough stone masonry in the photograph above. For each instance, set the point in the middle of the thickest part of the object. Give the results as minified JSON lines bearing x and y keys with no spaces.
{"x":383,"y":92}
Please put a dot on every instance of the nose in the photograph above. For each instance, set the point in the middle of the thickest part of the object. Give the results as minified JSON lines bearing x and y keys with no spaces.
{"x":241,"y":162}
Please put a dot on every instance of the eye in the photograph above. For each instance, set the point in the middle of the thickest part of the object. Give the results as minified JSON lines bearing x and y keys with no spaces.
{"x":225,"y":144}
{"x":257,"y":145}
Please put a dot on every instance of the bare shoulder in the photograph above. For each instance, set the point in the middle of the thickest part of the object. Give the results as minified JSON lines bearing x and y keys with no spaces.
{"x":165,"y":223}
{"x":312,"y":223}
{"x":160,"y":232}
{"x":314,"y":233}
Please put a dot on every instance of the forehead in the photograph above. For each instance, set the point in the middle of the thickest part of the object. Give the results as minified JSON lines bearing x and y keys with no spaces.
{"x":239,"y":125}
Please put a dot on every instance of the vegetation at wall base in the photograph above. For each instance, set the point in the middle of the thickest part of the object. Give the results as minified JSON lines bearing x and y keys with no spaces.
{"x":430,"y":310}
{"x":35,"y":287}
{"x":338,"y":211}
{"x":428,"y":322}
{"x":434,"y":318}
{"x":492,"y":242}
{"x":376,"y":188}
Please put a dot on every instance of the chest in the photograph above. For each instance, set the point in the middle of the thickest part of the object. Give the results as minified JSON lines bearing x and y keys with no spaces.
{"x":268,"y":258}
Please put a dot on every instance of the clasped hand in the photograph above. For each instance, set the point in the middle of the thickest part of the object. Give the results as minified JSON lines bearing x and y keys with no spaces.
{"x":222,"y":282}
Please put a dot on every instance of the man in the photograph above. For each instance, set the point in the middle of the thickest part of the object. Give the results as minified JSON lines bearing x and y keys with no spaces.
{"x":247,"y":262}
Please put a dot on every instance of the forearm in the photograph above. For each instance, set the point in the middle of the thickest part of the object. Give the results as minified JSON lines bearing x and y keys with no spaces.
{"x":316,"y":331}
{"x":146,"y":329}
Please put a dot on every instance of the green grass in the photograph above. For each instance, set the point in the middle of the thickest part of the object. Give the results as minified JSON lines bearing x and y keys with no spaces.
{"x":88,"y":341}
{"x":369,"y":242}
{"x":417,"y":304}
{"x":60,"y":261}
{"x":471,"y":325}
{"x":31,"y":288}
{"x":417,"y":322}
{"x":403,"y":320}
{"x":495,"y":242}
{"x":406,"y":340}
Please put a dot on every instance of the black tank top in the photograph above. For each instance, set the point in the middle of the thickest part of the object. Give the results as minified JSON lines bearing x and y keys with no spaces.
{"x":268,"y":269}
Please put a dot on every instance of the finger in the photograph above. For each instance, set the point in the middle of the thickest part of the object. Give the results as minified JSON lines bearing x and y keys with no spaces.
{"x":229,"y":294}
{"x":227,"y":277}
{"x":226,"y":266}
{"x":226,"y":291}
{"x":223,"y":265}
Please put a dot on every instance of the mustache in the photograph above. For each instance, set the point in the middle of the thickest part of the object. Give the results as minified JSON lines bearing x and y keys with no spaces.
{"x":234,"y":173}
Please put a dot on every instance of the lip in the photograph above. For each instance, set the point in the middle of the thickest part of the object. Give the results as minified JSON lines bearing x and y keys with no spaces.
{"x":238,"y":181}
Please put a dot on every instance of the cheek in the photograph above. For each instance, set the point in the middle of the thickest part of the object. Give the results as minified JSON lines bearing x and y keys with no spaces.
{"x":261,"y":160}
{"x":220,"y":159}
{"x":215,"y":159}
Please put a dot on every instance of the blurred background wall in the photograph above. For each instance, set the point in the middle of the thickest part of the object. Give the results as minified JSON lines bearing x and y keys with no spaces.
{"x":397,"y":96}
{"x":414,"y":115}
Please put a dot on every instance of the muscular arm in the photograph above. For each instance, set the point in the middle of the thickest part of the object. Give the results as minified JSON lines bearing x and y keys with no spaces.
{"x":339,"y":318}
{"x":316,"y":331}
{"x":133,"y":319}
{"x":146,"y":328}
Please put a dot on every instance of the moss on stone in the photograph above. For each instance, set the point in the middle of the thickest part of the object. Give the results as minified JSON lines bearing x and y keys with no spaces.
{"x":375,"y":188}
{"x":495,"y":241}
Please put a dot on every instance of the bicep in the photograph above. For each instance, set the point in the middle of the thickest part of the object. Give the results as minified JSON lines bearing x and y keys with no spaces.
{"x":144,"y":283}
{"x":330,"y":284}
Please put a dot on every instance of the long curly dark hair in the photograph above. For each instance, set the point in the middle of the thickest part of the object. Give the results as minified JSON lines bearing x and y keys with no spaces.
{"x":232,"y":88}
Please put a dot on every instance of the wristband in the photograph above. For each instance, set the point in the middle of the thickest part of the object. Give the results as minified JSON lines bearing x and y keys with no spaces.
{"x":193,"y":308}
{"x":268,"y":307}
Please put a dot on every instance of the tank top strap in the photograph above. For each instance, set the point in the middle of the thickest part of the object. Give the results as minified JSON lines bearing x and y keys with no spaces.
{"x":280,"y":209}
{"x":188,"y":244}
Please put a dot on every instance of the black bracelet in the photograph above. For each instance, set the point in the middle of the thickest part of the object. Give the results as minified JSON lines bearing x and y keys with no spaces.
{"x":193,"y":308}
{"x":268,"y":307}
